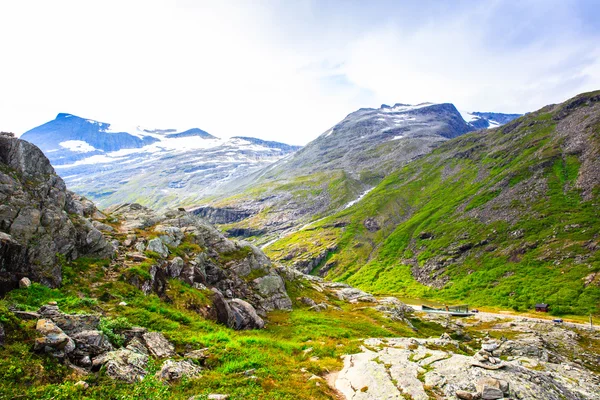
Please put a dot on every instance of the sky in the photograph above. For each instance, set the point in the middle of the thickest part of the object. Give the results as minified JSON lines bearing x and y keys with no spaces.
{"x":286,"y":70}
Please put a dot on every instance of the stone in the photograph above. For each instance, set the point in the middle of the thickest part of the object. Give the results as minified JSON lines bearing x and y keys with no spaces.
{"x":489,"y":346}
{"x":54,"y":340}
{"x":319,"y":307}
{"x":137,"y":346}
{"x":175,"y":267}
{"x":491,"y":393}
{"x":27,"y":315}
{"x":82,"y":385}
{"x":123,"y":364}
{"x":487,"y":381}
{"x":70,"y":323}
{"x":92,"y":343}
{"x":158,"y":345}
{"x":464,"y":395}
{"x":24,"y":283}
{"x":245,"y":316}
{"x":156,"y":245}
{"x":175,"y":370}
{"x":2,"y":335}
{"x":307,"y":301}
{"x":200,"y":355}
{"x":123,"y":304}
{"x":222,"y":309}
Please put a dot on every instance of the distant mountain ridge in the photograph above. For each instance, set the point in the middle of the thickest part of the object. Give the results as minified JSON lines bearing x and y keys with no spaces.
{"x":155,"y":167}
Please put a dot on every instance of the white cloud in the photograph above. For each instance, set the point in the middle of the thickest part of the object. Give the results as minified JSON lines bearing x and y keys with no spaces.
{"x":280,"y":70}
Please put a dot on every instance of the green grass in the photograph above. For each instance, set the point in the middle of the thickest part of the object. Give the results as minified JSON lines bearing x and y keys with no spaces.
{"x":275,"y":353}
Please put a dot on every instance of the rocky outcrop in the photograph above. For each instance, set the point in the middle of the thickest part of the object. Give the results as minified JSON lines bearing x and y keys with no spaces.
{"x":241,"y":274}
{"x":226,"y":215}
{"x":175,"y":370}
{"x":422,"y":368}
{"x":39,"y":218}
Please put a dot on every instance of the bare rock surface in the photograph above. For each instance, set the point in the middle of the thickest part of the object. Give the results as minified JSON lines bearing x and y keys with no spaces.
{"x":419,"y":368}
{"x":40,"y":218}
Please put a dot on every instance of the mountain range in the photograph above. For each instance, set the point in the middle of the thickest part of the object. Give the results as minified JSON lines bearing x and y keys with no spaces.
{"x":155,"y":167}
{"x":336,"y":169}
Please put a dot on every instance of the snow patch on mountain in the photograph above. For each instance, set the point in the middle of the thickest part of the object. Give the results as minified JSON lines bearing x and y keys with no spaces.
{"x":78,"y":146}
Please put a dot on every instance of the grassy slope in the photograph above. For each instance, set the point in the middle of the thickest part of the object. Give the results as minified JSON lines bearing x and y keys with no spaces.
{"x":309,"y":196}
{"x":511,"y":197}
{"x":276,"y":353}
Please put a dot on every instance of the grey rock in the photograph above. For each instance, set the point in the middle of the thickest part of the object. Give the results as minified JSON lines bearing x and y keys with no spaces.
{"x":2,"y":335}
{"x":27,"y":315}
{"x":91,"y":343}
{"x":137,"y":346}
{"x":54,"y":340}
{"x":24,"y":283}
{"x":123,"y":364}
{"x":158,"y":345}
{"x":245,"y":316}
{"x":175,"y":370}
{"x":491,"y":393}
{"x":175,"y":267}
{"x":156,"y":245}
{"x":70,"y":323}
{"x":82,"y":385}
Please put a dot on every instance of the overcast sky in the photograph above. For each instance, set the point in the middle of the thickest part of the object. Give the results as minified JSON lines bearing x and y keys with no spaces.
{"x":286,"y":70}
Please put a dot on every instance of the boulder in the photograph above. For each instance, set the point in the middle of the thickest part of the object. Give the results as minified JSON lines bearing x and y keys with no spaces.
{"x":156,"y":245}
{"x":222,"y":309}
{"x":123,"y":364}
{"x":175,"y":267}
{"x":91,"y":343}
{"x":490,"y":393}
{"x":137,"y":346}
{"x":175,"y":370}
{"x":245,"y":316}
{"x":158,"y":345}
{"x":40,"y":218}
{"x":54,"y":340}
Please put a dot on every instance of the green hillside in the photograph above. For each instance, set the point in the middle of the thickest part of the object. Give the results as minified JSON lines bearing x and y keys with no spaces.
{"x":506,"y":217}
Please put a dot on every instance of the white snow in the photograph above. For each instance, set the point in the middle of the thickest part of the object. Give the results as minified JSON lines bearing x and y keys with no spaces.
{"x":406,"y":108}
{"x":353,"y":202}
{"x":97,"y":159}
{"x":77,"y":146}
{"x":467,"y":116}
{"x":396,"y":137}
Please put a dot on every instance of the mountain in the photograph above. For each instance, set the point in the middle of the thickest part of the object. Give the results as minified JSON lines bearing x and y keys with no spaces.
{"x":505,"y":217}
{"x":158,"y":167}
{"x":485,"y":120}
{"x":334,"y":170}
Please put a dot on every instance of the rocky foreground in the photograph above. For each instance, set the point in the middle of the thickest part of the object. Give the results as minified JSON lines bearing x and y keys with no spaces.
{"x":526,"y":360}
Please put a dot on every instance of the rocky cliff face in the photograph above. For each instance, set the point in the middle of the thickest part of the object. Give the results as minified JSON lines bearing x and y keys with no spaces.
{"x":179,"y":245}
{"x":40,"y":220}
